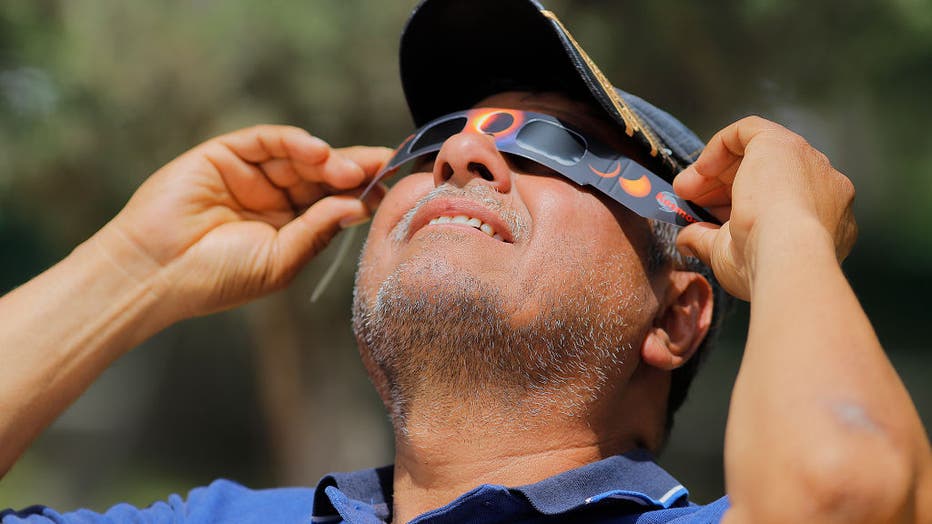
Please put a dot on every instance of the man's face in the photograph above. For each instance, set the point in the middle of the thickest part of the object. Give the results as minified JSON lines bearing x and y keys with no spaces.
{"x":542,"y":289}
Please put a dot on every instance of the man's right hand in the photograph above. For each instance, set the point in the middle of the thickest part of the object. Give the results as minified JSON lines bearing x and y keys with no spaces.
{"x":237,"y":216}
{"x":230,"y":220}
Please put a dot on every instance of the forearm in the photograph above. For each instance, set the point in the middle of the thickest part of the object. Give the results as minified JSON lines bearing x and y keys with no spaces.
{"x":819,"y":416}
{"x":63,"y":328}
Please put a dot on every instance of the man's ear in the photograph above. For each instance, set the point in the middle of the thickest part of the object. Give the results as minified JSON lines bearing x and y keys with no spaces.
{"x":682,"y":321}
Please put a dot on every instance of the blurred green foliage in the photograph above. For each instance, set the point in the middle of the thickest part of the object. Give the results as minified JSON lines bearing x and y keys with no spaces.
{"x":96,"y":95}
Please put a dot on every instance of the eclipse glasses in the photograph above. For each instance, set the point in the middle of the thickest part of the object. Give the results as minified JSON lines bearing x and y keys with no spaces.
{"x":548,"y":141}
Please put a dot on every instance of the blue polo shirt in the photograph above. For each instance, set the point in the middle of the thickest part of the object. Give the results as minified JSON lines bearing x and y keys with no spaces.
{"x":623,"y":489}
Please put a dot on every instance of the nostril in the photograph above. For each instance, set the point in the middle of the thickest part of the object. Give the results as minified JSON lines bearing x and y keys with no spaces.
{"x":446,"y":171}
{"x":481,"y":170}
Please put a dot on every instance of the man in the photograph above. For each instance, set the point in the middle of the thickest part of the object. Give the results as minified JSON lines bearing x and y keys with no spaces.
{"x":524,"y":331}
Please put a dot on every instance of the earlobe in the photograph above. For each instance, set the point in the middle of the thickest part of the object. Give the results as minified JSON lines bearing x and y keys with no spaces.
{"x":682,"y":321}
{"x":656,"y":350}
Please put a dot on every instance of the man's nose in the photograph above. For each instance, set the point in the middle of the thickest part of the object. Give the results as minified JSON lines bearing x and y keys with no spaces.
{"x":472,"y":158}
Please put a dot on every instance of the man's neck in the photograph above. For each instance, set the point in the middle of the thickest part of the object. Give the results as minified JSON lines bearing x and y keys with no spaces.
{"x":440,"y":457}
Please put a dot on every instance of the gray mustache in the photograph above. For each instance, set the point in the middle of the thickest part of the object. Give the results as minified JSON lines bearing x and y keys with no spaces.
{"x":484,"y":195}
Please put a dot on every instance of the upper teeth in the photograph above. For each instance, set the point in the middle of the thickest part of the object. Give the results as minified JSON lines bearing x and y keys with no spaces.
{"x":469,"y":221}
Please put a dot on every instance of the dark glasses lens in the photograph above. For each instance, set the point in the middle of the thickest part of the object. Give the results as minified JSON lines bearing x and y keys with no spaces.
{"x":437,"y":134}
{"x":496,"y":123}
{"x":552,"y":141}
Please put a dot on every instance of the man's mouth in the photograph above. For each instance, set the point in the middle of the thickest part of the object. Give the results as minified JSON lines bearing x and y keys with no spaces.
{"x":468,"y":221}
{"x":483,"y":214}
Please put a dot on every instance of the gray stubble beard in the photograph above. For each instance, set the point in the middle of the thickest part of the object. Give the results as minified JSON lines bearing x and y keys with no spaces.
{"x":456,"y":344}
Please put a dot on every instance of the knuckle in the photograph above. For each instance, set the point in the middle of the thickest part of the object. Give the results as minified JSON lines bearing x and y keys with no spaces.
{"x":764,"y":125}
{"x":782,"y":143}
{"x":851,"y":233}
{"x":275,"y":129}
{"x":354,"y":150}
{"x":292,"y":129}
{"x":820,"y":159}
{"x":846,"y":187}
{"x":257,"y":129}
{"x":847,"y":234}
{"x":213,"y":148}
{"x":755,"y":120}
{"x":798,"y":143}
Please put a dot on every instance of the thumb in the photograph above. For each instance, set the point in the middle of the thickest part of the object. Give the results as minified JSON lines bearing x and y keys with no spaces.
{"x":698,"y":240}
{"x":307,"y":235}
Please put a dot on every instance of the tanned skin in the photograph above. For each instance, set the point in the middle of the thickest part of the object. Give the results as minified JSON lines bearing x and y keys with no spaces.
{"x":820,"y":427}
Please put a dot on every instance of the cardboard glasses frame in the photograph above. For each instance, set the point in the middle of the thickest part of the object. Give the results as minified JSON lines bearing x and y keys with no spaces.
{"x":549,"y":141}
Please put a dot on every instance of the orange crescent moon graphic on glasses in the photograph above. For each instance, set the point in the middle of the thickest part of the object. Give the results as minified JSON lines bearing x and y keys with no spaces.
{"x":638,"y":188}
{"x":611,"y":174}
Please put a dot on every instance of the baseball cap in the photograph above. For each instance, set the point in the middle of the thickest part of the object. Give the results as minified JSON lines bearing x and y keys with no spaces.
{"x":455,"y":53}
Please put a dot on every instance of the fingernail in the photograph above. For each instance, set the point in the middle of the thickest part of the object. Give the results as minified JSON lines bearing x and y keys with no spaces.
{"x":353,"y":221}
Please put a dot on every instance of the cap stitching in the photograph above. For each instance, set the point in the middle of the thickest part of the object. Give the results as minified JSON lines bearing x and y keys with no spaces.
{"x":632,"y":122}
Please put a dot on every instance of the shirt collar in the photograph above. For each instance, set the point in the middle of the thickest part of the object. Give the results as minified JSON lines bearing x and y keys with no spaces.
{"x":360,"y":496}
{"x":634,"y":478}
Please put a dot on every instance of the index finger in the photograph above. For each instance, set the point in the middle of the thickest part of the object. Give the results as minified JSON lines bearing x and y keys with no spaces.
{"x":344,"y":168}
{"x":727,"y":147}
{"x":708,"y":180}
{"x":370,"y":159}
{"x":260,"y":144}
{"x":290,"y":155}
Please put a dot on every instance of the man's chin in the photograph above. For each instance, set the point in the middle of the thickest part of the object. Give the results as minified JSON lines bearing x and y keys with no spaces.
{"x":436,"y":275}
{"x":449,"y":255}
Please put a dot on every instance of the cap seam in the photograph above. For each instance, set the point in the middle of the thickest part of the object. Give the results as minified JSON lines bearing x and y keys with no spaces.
{"x":623,"y":109}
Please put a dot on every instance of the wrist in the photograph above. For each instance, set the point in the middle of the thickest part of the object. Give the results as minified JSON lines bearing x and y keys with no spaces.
{"x":114,"y":253}
{"x":776,"y":247}
{"x":113,"y":246}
